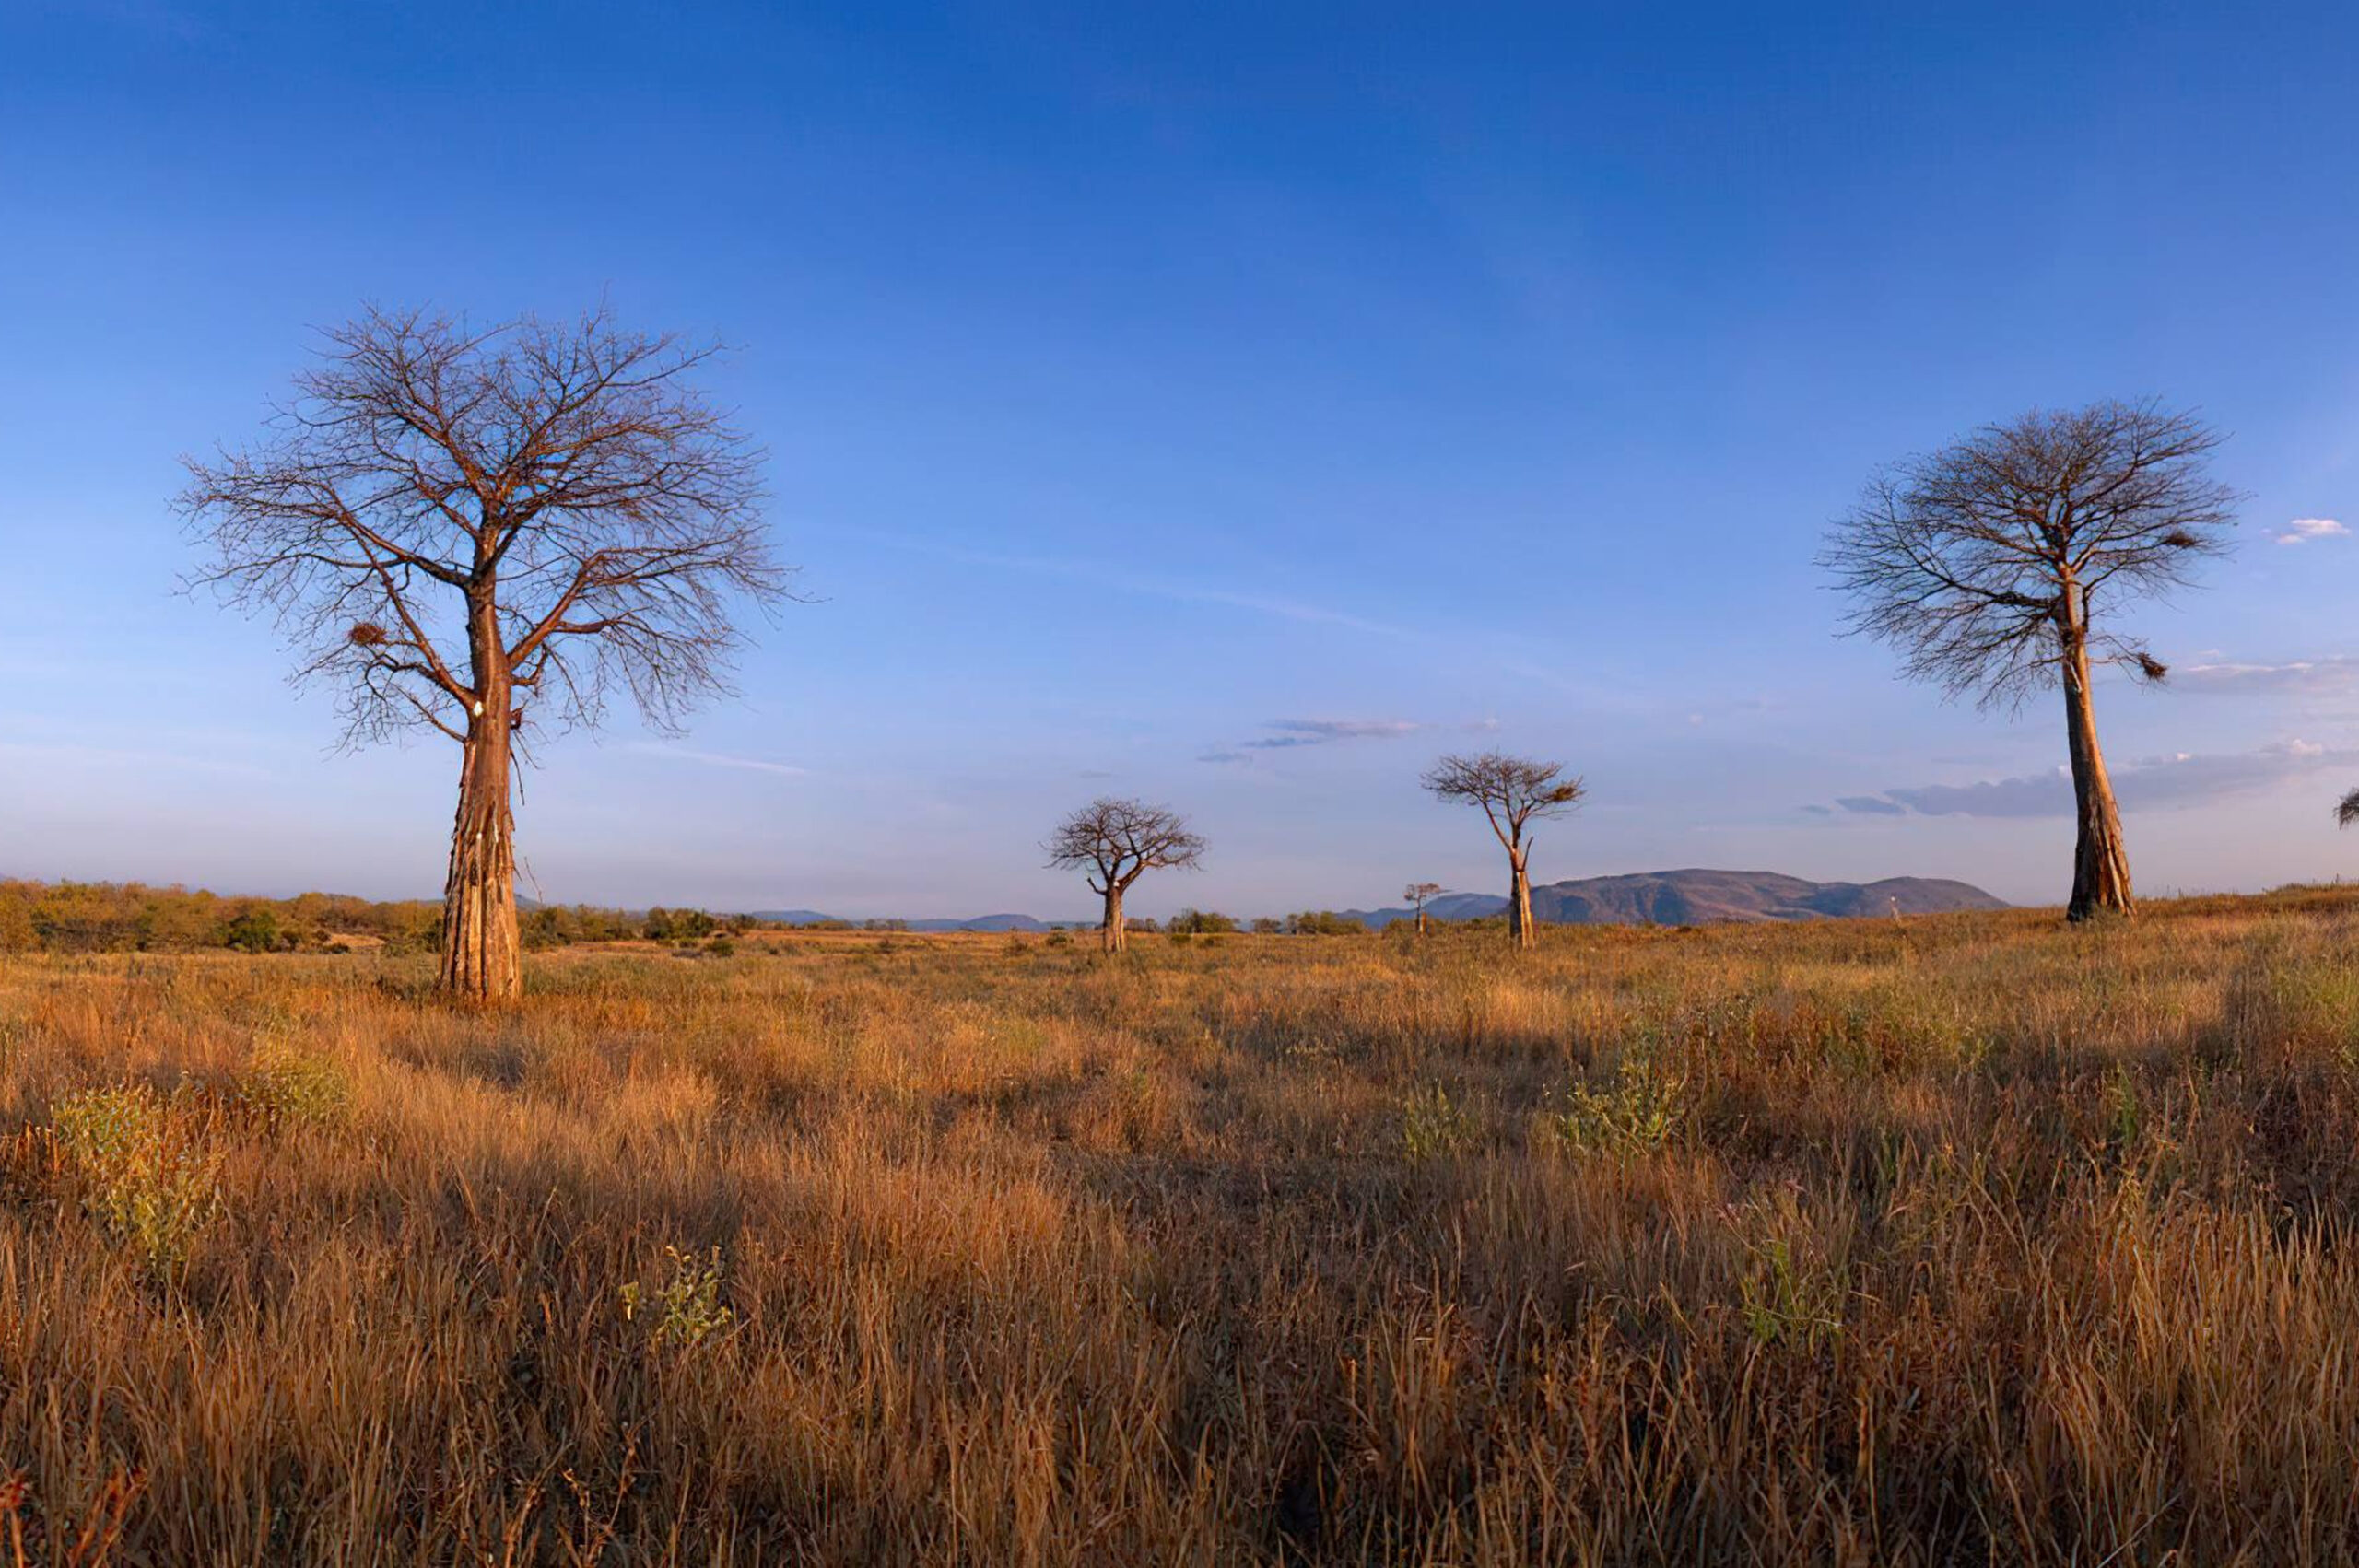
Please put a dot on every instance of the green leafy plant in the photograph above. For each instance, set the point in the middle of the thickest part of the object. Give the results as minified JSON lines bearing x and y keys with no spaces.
{"x":149,"y":1178}
{"x":1637,"y":1108}
{"x":687,"y":1309}
{"x":1432,"y":1125}
{"x":1783,"y":1302}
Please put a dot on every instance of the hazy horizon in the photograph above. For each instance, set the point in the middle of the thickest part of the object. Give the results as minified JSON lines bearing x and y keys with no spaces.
{"x":1233,"y":409}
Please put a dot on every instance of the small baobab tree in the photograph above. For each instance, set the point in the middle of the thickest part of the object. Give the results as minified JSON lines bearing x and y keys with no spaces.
{"x":1994,"y":563}
{"x":1416,"y":893}
{"x":1513,"y":792}
{"x":488,"y":533}
{"x":1117,"y":842}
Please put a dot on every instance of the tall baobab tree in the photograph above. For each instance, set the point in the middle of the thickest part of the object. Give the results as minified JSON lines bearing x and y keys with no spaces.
{"x":1417,"y":893}
{"x":488,"y":532}
{"x":1118,"y":842}
{"x":1992,"y":565}
{"x":1514,"y":792}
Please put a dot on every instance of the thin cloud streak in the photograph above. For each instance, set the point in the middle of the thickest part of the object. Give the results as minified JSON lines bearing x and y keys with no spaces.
{"x":1295,"y":733}
{"x":69,"y":754}
{"x":2303,"y":677}
{"x":1178,"y":594}
{"x":2149,"y":783}
{"x":1347,"y":728}
{"x":719,"y":759}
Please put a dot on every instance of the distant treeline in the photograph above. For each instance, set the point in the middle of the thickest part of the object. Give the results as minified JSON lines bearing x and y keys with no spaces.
{"x":92,"y":916}
{"x":104,"y":916}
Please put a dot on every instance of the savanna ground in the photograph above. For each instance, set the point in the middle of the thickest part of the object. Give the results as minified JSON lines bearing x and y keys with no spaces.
{"x":1977,"y":1240}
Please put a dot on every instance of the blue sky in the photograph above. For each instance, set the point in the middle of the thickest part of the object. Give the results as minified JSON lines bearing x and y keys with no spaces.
{"x":1146,"y":384}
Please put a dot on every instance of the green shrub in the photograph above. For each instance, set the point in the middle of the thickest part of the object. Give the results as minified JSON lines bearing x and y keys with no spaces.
{"x":149,"y":1178}
{"x":1433,"y":1126}
{"x":1783,"y":1302}
{"x":257,"y":930}
{"x":687,"y":1310}
{"x":1638,"y":1108}
{"x":284,"y":1086}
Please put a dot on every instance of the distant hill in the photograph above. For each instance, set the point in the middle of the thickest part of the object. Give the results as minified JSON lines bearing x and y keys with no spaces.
{"x":1448,"y":906}
{"x":979,"y":923}
{"x":1695,"y":896}
{"x":984,"y":923}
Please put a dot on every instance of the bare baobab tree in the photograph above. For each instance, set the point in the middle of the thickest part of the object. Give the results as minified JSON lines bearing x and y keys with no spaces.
{"x":1513,"y":792}
{"x":1992,"y":564}
{"x":1117,"y":842}
{"x":486,"y":533}
{"x":1417,"y":893}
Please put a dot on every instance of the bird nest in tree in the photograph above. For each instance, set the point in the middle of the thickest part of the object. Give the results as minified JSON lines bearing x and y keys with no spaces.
{"x":366,"y":634}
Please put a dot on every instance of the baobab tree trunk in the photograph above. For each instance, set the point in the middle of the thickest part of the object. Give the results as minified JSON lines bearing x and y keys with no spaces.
{"x":2100,"y":859}
{"x":480,"y":959}
{"x":1519,"y":930}
{"x":1113,"y":935}
{"x":481,"y":950}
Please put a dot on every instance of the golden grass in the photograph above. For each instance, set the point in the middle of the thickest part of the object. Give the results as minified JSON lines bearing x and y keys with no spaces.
{"x":1979,"y":1241}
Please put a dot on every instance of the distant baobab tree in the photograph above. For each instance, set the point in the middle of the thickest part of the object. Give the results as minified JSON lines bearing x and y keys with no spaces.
{"x":485,"y":532}
{"x":1417,"y":893}
{"x":1118,"y":841}
{"x":1513,"y":792}
{"x":1992,"y":564}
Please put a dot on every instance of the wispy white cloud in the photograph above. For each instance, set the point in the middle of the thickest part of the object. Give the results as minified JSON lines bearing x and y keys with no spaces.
{"x":66,"y":754}
{"x":1293,"y":734}
{"x":1323,"y":732}
{"x":2184,"y":778}
{"x":1131,"y":582}
{"x":717,"y":759}
{"x":2308,"y":677}
{"x":2303,"y":530}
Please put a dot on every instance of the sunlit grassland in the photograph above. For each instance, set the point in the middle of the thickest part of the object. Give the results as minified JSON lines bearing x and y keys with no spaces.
{"x":1976,"y":1239}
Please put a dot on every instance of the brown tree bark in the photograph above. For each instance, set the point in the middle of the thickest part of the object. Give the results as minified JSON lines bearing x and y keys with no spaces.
{"x":1114,"y":935}
{"x":2100,"y":858}
{"x":1519,"y":930}
{"x":482,"y":951}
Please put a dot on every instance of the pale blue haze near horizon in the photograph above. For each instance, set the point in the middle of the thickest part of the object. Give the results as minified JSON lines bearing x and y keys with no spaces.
{"x":1234,"y":407}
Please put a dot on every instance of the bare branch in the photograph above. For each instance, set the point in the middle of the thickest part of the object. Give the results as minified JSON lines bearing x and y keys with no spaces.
{"x":1513,"y":791}
{"x":1981,"y":562}
{"x":545,"y":512}
{"x":1119,"y":840}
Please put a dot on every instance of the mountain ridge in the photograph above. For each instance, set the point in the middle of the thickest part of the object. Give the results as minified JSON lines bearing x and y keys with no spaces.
{"x":1696,"y":895}
{"x":1692,"y":895}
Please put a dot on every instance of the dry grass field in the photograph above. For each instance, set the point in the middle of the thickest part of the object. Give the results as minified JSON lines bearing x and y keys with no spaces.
{"x":1975,"y":1241}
